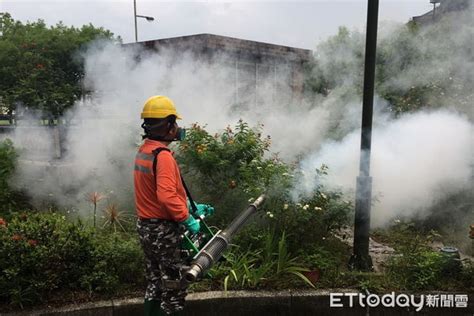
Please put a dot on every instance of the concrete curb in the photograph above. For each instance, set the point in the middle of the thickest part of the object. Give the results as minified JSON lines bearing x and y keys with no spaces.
{"x":237,"y":303}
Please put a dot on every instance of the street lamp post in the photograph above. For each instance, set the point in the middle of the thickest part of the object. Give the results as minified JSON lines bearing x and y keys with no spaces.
{"x":135,"y":16}
{"x":360,"y":259}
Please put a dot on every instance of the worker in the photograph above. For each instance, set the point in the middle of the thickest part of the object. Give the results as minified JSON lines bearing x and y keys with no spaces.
{"x":161,"y":205}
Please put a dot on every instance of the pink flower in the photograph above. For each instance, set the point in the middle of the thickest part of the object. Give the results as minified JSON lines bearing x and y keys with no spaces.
{"x":32,"y":242}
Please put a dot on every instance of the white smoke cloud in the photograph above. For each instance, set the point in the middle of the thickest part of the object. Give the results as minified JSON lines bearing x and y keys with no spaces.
{"x":417,"y":160}
{"x":203,"y":92}
{"x":104,"y":133}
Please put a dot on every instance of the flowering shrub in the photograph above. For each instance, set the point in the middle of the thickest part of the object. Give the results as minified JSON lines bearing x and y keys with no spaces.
{"x":41,"y":253}
{"x":310,"y":221}
{"x":227,"y":169}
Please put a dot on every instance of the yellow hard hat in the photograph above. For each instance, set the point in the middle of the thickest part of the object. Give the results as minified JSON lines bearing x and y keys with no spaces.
{"x":159,"y":106}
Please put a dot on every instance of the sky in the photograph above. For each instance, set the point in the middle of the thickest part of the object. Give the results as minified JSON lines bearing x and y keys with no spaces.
{"x":301,"y":24}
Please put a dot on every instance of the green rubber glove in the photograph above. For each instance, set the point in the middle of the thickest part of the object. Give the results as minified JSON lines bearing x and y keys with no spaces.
{"x":202,"y":209}
{"x":191,"y":224}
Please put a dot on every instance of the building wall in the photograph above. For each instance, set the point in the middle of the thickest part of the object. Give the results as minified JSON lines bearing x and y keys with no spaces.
{"x":443,"y":8}
{"x":259,"y":72}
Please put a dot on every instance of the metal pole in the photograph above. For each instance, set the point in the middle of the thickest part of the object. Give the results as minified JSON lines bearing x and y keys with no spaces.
{"x":360,"y":259}
{"x":135,"y":18}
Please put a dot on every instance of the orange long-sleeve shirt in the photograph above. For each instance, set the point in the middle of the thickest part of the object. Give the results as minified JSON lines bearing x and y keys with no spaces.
{"x":165,"y":199}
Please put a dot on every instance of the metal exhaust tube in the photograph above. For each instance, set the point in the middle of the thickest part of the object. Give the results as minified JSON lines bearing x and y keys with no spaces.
{"x":213,"y":251}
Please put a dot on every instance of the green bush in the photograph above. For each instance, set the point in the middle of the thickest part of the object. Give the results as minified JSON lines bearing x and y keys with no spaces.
{"x":466,"y":277}
{"x":39,"y":254}
{"x":312,"y":220}
{"x":415,"y":266}
{"x":43,"y":253}
{"x":8,"y":158}
{"x":117,"y":260}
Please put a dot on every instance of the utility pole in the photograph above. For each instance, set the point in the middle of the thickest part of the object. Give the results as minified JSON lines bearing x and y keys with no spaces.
{"x":135,"y":18}
{"x":434,"y":2}
{"x":361,"y":259}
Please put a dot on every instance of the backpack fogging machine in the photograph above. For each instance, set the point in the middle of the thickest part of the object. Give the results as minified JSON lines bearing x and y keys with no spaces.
{"x":205,"y":248}
{"x":204,"y":257}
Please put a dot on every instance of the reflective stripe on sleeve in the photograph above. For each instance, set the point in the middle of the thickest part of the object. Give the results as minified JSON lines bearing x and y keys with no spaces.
{"x":143,"y":156}
{"x":142,"y":169}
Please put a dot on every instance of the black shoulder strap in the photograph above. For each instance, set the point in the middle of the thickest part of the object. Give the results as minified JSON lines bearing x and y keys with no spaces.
{"x":155,"y":162}
{"x":155,"y":153}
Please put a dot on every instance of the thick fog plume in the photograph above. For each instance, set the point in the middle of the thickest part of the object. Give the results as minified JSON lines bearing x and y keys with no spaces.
{"x":104,"y":129}
{"x":417,"y":160}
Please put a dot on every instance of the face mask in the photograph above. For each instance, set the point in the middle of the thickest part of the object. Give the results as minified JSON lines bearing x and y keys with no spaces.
{"x":180,"y":134}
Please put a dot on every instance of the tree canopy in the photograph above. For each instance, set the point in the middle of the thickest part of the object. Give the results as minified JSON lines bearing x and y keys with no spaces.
{"x":417,"y":67}
{"x":41,"y":67}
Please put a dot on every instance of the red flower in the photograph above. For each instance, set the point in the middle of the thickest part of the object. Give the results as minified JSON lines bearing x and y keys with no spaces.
{"x":3,"y":222}
{"x":16,"y":237}
{"x":32,"y":242}
{"x":39,"y":66}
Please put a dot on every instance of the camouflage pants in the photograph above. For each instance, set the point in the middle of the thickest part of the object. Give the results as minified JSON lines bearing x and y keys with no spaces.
{"x":161,"y":243}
